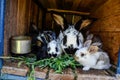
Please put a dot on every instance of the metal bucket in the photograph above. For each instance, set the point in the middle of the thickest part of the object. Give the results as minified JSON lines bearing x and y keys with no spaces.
{"x":21,"y":44}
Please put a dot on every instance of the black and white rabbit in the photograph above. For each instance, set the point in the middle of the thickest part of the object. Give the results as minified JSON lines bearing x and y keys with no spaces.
{"x":45,"y":37}
{"x":53,"y":44}
{"x":70,"y":35}
{"x":54,"y":48}
{"x":91,"y":57}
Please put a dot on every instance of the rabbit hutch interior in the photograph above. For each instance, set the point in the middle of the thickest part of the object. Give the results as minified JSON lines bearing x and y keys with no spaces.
{"x":60,"y":39}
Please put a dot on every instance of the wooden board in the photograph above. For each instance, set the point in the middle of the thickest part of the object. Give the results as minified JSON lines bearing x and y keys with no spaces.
{"x":111,"y":44}
{"x":66,"y":75}
{"x":108,"y":27}
{"x":17,"y":20}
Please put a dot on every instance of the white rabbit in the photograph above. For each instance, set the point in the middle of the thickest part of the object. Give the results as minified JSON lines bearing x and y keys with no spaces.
{"x":71,"y":36}
{"x":91,"y":57}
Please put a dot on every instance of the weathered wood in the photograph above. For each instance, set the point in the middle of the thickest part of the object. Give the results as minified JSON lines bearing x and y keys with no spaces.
{"x":110,"y":8}
{"x":110,"y":23}
{"x":108,"y":27}
{"x":21,"y":18}
{"x":79,"y":5}
{"x":40,"y":19}
{"x":75,"y":4}
{"x":66,"y":75}
{"x":34,"y":13}
{"x":17,"y":20}
{"x":52,"y":4}
{"x":10,"y":23}
{"x":14,"y":69}
{"x":111,"y":43}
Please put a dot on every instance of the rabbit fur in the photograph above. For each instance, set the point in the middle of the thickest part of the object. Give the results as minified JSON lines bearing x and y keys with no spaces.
{"x":70,"y":35}
{"x":90,"y":57}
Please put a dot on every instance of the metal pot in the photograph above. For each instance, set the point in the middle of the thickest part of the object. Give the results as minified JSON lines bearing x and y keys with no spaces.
{"x":21,"y":44}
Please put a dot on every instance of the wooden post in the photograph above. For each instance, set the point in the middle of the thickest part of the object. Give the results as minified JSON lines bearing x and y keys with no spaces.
{"x":2,"y":9}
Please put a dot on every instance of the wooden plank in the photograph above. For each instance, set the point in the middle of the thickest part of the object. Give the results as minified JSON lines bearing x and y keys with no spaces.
{"x":69,"y":18}
{"x":48,"y":21}
{"x":111,"y":43}
{"x":15,"y":71}
{"x":10,"y":24}
{"x":21,"y":16}
{"x":40,"y":19}
{"x":52,"y":3}
{"x":43,"y":4}
{"x":55,"y":76}
{"x":68,"y":11}
{"x":108,"y":27}
{"x":90,"y":5}
{"x":12,"y":68}
{"x":66,"y":75}
{"x":28,"y":15}
{"x":109,"y":8}
{"x":75,"y":5}
{"x":110,"y":23}
{"x":35,"y":13}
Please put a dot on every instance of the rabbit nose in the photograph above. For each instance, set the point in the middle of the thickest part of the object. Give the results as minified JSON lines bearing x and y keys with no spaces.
{"x":54,"y":55}
{"x":50,"y":55}
{"x":71,"y":46}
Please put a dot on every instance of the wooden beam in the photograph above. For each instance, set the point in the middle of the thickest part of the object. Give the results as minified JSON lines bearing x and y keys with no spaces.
{"x":75,"y":4}
{"x":68,"y":11}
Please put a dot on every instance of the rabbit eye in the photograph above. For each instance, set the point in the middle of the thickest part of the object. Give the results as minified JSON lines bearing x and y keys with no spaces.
{"x":77,"y":40}
{"x":82,"y":54}
{"x":56,"y":49}
{"x":64,"y":40}
{"x":68,"y":32}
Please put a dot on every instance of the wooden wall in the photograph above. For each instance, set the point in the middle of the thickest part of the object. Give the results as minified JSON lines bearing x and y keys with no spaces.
{"x":108,"y":27}
{"x":19,"y":14}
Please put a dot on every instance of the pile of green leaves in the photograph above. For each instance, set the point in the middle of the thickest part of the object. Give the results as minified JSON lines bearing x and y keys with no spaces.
{"x":58,"y":64}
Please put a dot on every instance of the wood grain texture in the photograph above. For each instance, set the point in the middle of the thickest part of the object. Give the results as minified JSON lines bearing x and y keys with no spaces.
{"x":10,"y":23}
{"x":21,"y":18}
{"x":111,"y":44}
{"x":17,"y":20}
{"x":20,"y":13}
{"x":108,"y":27}
{"x":66,"y":75}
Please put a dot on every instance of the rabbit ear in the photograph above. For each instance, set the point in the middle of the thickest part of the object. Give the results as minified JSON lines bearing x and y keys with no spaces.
{"x":60,"y":20}
{"x":85,"y":23}
{"x":77,"y":25}
{"x":87,"y":43}
{"x":93,"y":49}
{"x":97,"y":44}
{"x":89,"y":37}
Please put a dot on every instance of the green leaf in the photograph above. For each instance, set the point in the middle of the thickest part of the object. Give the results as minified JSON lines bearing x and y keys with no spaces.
{"x":19,"y":64}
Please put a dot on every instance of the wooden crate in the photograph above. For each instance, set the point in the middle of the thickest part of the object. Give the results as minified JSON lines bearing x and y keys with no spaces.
{"x":20,"y":13}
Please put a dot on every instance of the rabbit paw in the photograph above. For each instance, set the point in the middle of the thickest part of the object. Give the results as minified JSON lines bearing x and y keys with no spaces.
{"x":86,"y":68}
